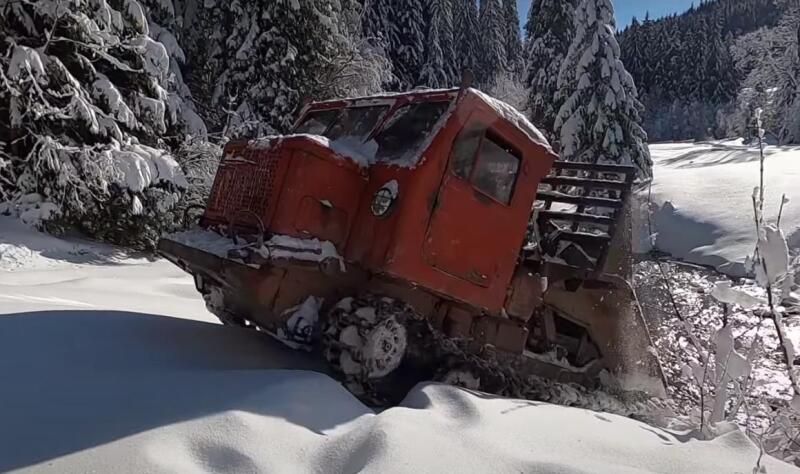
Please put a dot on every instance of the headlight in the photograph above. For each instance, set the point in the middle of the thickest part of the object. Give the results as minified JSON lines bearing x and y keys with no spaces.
{"x":384,"y":199}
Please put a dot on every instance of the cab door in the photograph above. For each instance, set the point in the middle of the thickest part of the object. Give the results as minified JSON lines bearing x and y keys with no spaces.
{"x":475,"y":230}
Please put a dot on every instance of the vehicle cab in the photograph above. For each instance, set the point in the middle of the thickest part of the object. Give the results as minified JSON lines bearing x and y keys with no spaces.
{"x":431,"y":187}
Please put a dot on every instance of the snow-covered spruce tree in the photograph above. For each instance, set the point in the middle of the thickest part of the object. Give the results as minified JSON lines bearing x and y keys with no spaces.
{"x":631,"y":46}
{"x":204,"y":27}
{"x":466,"y":29}
{"x":769,"y":61}
{"x":82,"y":107}
{"x":512,"y":43}
{"x":599,"y":121}
{"x":718,"y":74}
{"x":439,"y":71}
{"x":788,"y":82}
{"x":493,"y":57}
{"x":407,"y":43}
{"x":375,"y":21}
{"x":357,"y":64}
{"x":164,"y":27}
{"x":278,"y":54}
{"x":549,"y":27}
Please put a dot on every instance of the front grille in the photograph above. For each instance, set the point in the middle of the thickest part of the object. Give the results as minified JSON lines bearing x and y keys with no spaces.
{"x":245,"y":182}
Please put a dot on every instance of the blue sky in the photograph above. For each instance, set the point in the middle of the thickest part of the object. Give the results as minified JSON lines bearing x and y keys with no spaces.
{"x":627,"y":9}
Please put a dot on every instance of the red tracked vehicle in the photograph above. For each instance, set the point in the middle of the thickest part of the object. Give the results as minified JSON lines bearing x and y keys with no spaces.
{"x":386,"y":225}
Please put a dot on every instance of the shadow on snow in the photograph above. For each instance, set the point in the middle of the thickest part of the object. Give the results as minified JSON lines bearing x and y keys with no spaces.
{"x":72,"y":380}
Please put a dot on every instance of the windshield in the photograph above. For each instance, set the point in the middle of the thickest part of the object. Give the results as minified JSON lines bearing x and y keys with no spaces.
{"x":352,"y":124}
{"x":407,"y":129}
{"x":315,"y":123}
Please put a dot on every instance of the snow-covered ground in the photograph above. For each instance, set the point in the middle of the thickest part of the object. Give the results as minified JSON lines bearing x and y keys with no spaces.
{"x":702,"y":208}
{"x":768,"y":387}
{"x":702,"y":198}
{"x":701,"y":212}
{"x":110,"y":363}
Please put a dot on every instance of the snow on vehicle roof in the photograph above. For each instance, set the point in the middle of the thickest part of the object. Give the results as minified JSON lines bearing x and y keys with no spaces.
{"x":391,"y":95}
{"x":502,"y":109}
{"x":513,"y":116}
{"x":359,"y":155}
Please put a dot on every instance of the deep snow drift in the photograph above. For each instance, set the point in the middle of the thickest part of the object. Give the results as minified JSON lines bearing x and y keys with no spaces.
{"x":108,"y":364}
{"x":702,"y":200}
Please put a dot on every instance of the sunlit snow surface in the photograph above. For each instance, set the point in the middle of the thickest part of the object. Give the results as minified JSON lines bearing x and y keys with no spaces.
{"x":109,"y":363}
{"x":702,"y":200}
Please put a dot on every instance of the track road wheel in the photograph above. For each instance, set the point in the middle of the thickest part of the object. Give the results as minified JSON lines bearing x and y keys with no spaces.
{"x":367,"y":339}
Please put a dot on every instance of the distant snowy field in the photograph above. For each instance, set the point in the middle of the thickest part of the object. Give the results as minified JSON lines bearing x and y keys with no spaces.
{"x":110,"y":363}
{"x":702,"y":200}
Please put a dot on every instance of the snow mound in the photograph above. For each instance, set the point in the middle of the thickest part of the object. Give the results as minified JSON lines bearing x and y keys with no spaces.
{"x":702,"y":208}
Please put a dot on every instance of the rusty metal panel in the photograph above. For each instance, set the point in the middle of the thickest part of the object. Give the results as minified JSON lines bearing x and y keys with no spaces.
{"x":525,"y":294}
{"x":510,"y":337}
{"x":321,"y":219}
{"x":457,"y":323}
{"x":503,"y":334}
{"x":320,"y":194}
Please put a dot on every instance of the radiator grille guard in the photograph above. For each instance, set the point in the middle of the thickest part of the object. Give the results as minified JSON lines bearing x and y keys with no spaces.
{"x":245,"y":188}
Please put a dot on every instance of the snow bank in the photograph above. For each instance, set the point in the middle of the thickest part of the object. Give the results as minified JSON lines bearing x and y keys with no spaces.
{"x":702,"y":200}
{"x":23,"y":248}
{"x":234,"y":412}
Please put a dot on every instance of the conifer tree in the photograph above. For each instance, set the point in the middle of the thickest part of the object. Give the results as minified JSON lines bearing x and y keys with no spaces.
{"x":550,"y":26}
{"x":375,"y":22}
{"x":682,"y":64}
{"x":163,"y":22}
{"x":466,"y":35}
{"x":407,"y":43}
{"x":277,"y":56}
{"x":788,"y":90}
{"x":439,"y":70}
{"x":83,"y":102}
{"x":599,"y":121}
{"x":493,"y":34}
{"x":512,"y":43}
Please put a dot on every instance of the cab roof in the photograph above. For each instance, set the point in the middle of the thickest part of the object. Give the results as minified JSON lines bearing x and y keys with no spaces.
{"x":502,"y":109}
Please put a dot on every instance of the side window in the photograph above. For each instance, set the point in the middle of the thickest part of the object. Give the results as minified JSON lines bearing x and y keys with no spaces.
{"x":485,"y":162}
{"x":496,"y":170}
{"x":464,"y":150}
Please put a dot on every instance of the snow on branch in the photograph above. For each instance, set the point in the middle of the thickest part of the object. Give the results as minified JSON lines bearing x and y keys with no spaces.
{"x":86,"y":89}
